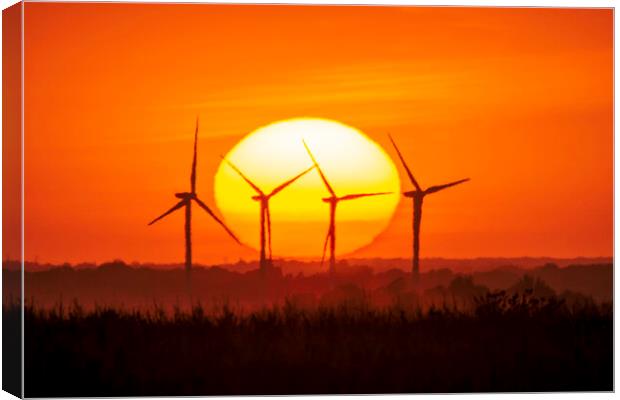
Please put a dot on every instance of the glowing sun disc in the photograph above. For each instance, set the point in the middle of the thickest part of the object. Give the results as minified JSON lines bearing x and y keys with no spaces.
{"x":272,"y":154}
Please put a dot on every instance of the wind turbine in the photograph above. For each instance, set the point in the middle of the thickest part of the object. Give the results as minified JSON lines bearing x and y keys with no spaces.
{"x":333,"y":201}
{"x":186,"y":201}
{"x":418,"y":198}
{"x":265,"y":215}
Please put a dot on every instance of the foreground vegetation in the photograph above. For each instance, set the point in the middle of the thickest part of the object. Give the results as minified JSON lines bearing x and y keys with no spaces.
{"x":502,"y":343}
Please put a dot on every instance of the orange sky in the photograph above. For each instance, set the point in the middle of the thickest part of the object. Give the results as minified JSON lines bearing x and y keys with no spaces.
{"x":520,"y":100}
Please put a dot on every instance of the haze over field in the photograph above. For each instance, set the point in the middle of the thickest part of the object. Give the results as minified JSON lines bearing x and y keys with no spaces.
{"x":121,"y":285}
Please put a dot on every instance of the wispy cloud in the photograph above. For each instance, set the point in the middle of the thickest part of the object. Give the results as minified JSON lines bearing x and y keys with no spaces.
{"x":373,"y":84}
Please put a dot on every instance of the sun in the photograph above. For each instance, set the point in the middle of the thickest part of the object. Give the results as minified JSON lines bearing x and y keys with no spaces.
{"x":272,"y":154}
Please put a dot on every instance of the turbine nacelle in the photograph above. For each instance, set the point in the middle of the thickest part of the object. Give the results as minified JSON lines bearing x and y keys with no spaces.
{"x":418,"y":195}
{"x":333,"y":200}
{"x":186,"y":200}
{"x":263,"y":198}
{"x":412,"y":193}
{"x":185,"y":195}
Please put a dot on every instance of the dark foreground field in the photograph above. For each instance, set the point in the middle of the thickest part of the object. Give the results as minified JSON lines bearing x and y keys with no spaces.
{"x":503,"y":343}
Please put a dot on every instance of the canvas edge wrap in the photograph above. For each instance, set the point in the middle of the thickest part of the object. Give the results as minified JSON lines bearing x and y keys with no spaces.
{"x":12,"y":200}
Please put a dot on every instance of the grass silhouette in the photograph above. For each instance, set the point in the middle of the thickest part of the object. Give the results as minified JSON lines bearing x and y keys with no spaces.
{"x":503,"y":342}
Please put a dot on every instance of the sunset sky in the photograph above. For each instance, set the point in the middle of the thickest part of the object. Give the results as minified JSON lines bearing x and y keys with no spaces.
{"x":519,"y":100}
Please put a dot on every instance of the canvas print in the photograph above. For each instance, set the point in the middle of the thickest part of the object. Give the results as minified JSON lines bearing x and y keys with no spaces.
{"x":226,"y":199}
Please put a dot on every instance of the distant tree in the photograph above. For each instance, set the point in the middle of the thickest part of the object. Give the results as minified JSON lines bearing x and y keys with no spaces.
{"x":464,"y":291}
{"x":531,"y":286}
{"x":347,"y":294}
{"x":576,"y":299}
{"x":116,"y":265}
{"x":550,"y":266}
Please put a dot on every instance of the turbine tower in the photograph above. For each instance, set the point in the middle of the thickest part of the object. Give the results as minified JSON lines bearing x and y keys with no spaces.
{"x":265,"y":215}
{"x":333,"y":201}
{"x":418,"y":198}
{"x":186,"y":201}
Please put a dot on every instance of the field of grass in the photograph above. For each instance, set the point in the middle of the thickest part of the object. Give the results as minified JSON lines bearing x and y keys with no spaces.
{"x":502,"y":343}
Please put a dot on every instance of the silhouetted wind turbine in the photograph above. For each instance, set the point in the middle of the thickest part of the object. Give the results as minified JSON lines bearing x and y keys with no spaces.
{"x":265,"y":215}
{"x":333,"y":201}
{"x":186,"y":201}
{"x":418,"y":198}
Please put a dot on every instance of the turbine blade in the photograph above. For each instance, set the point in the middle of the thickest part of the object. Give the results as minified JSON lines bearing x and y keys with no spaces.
{"x":402,"y":160}
{"x":285,"y":184}
{"x":357,"y":196}
{"x":173,"y":209}
{"x":435,"y":189}
{"x":245,"y":178}
{"x":327,"y":185}
{"x":219,"y":221}
{"x":193,"y":176}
